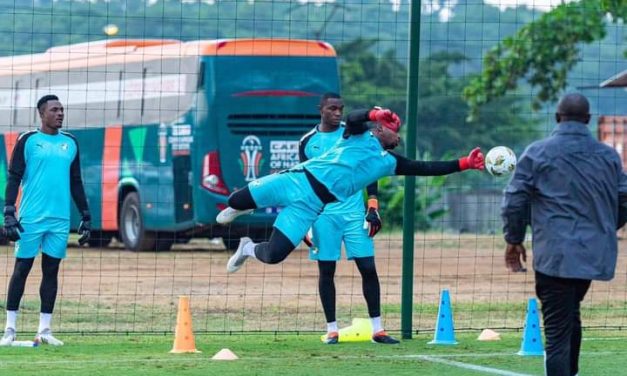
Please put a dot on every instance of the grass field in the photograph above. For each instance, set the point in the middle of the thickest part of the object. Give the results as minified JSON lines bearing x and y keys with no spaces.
{"x":603,"y":353}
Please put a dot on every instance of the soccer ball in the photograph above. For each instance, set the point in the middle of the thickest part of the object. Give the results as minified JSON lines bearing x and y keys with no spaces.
{"x":500,"y":161}
{"x":110,"y":29}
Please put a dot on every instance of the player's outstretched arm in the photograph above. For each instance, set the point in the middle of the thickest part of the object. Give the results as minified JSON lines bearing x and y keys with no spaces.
{"x":404,"y":166}
{"x":356,"y":121}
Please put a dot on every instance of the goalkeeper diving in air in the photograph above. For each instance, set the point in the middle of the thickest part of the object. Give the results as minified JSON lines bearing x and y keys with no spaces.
{"x":360,"y":158}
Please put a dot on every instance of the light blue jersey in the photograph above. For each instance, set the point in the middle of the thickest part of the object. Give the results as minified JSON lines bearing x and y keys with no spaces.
{"x":46,"y":178}
{"x":351,"y":165}
{"x":316,"y":143}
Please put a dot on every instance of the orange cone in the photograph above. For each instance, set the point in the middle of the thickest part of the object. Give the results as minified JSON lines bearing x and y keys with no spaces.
{"x":184,"y":335}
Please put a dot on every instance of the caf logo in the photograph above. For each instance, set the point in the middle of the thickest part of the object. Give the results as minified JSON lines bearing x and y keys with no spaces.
{"x":251,"y":157}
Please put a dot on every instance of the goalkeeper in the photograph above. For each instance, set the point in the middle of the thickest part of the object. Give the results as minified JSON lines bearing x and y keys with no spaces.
{"x":343,"y":222}
{"x":359,"y":159}
{"x":46,"y":164}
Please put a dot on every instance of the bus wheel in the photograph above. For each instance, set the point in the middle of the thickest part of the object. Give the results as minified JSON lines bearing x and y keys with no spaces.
{"x":134,"y":236}
{"x":231,"y":243}
{"x":163,"y":241}
{"x":100,"y":239}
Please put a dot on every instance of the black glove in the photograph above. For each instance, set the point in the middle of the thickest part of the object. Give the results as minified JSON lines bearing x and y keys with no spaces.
{"x":12,"y":226}
{"x":374,"y":221}
{"x":84,"y":229}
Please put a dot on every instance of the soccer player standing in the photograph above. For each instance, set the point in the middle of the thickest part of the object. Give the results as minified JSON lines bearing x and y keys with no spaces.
{"x":46,"y":164}
{"x":343,"y":222}
{"x":359,"y":159}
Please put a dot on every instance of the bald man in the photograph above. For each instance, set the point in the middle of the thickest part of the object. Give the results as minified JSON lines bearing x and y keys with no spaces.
{"x":572,"y":190}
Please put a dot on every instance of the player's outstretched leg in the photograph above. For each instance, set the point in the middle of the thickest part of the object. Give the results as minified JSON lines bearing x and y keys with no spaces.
{"x":237,"y":260}
{"x":240,"y":203}
{"x":273,"y":251}
{"x":229,"y":214}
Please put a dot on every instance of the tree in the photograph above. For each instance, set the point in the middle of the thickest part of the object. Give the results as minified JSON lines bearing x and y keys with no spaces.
{"x":543,"y":52}
{"x":442,"y":125}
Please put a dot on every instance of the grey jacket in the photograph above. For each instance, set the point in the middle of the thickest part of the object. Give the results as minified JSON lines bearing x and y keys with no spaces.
{"x":569,"y":187}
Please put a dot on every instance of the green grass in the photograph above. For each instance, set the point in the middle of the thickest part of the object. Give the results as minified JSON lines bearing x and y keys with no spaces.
{"x":603,"y":353}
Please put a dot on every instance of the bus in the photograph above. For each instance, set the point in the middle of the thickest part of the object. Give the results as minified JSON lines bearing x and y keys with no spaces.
{"x":167,"y":129}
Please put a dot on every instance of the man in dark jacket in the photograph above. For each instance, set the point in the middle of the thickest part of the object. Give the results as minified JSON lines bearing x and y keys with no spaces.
{"x":572,"y":190}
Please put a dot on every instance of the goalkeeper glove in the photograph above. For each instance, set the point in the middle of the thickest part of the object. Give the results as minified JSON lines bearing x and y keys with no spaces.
{"x":12,"y":226}
{"x":373,"y":218}
{"x":84,"y":229}
{"x":386,"y":118}
{"x":473,"y":161}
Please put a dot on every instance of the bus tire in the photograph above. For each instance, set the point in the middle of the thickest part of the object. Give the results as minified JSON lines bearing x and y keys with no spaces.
{"x":231,"y":244}
{"x":131,"y":225}
{"x":99,"y":239}
{"x":163,"y":241}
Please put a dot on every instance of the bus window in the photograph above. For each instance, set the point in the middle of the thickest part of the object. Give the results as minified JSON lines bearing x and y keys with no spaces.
{"x":145,"y":71}
{"x":201,"y":76}
{"x":16,"y":97}
{"x":119,"y":94}
{"x":35,"y":112}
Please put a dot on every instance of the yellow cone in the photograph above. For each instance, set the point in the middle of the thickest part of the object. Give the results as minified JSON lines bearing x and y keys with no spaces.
{"x":184,"y":335}
{"x":359,"y":331}
{"x":489,"y":335}
{"x":225,"y":354}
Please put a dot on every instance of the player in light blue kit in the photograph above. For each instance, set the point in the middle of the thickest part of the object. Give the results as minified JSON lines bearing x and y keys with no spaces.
{"x":343,"y":222}
{"x":359,"y":159}
{"x":46,"y":164}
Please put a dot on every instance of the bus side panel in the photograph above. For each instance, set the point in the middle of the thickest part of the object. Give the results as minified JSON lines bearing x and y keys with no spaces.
{"x":160,"y":180}
{"x":91,"y":146}
{"x":9,"y":140}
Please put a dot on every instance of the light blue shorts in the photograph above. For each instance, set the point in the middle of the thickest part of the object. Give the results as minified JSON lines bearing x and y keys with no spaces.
{"x":331,"y":229}
{"x":49,"y":235}
{"x":291,"y":191}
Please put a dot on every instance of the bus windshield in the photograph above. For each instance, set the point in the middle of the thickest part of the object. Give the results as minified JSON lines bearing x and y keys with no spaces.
{"x":262,"y":75}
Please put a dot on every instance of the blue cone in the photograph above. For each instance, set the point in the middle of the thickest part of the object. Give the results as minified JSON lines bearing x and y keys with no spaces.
{"x":444,"y":331}
{"x":532,"y":336}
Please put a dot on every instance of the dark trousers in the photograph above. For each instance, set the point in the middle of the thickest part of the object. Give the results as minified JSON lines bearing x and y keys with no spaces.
{"x":561,"y":298}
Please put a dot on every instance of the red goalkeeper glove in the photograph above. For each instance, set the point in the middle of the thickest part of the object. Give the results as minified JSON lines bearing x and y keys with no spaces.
{"x":473,"y":161}
{"x":373,"y":218}
{"x":386,"y":118}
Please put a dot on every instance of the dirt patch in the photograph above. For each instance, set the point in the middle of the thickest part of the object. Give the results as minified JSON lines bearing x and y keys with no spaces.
{"x":114,"y":289}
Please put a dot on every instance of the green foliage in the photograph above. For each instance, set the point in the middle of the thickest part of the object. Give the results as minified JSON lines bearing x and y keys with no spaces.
{"x":429,"y":192}
{"x":543,"y":52}
{"x":442,"y":125}
{"x":368,"y":79}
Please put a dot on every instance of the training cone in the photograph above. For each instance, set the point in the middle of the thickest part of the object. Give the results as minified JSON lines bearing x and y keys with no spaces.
{"x":225,"y":354}
{"x":184,"y":335}
{"x":532,"y":337}
{"x":359,"y":331}
{"x":444,"y":331}
{"x":489,"y":335}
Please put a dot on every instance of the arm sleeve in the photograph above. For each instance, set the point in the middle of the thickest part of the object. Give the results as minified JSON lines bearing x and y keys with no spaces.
{"x":16,"y":172}
{"x":622,"y":201}
{"x":515,"y":208}
{"x":372,"y":189}
{"x":76,"y":184}
{"x":356,"y":122}
{"x":410,"y":167}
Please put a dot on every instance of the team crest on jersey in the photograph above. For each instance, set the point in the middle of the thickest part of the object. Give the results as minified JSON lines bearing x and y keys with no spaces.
{"x":251,"y":157}
{"x":65,"y":146}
